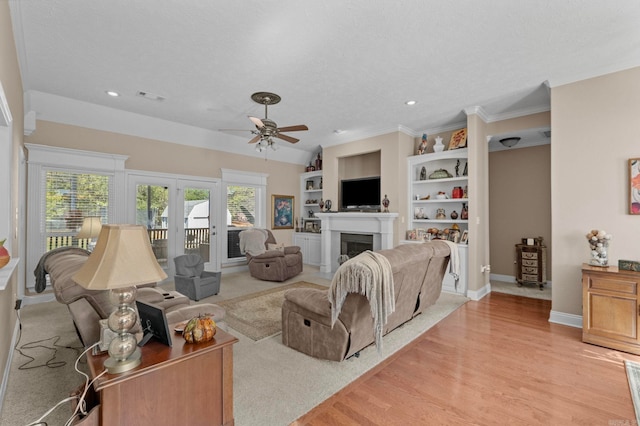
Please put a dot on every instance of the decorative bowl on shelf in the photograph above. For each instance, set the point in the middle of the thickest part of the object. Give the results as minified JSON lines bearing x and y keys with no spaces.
{"x":440,"y":174}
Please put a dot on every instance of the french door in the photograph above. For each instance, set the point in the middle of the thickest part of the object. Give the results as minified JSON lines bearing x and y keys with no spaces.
{"x":179,"y":215}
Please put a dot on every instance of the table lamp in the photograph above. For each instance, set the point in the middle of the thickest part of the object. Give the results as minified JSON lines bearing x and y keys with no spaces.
{"x":90,"y":230}
{"x":121,"y":260}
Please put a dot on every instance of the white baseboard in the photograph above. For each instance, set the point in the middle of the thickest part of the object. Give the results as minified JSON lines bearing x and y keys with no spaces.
{"x":562,"y":318}
{"x":479,"y":294}
{"x":7,"y":367}
{"x":509,"y":279}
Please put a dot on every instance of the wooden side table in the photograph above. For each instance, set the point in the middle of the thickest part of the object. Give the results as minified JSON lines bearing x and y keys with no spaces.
{"x":610,"y":308}
{"x":188,"y":384}
{"x":532,"y":264}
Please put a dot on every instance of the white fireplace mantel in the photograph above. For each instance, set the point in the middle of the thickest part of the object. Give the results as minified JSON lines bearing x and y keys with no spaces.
{"x":380,"y":225}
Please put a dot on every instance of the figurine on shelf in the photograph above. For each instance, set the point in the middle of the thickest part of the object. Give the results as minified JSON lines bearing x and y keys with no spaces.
{"x":422,"y":148}
{"x":385,"y":204}
{"x":464,"y":214}
{"x":458,"y":168}
{"x":423,"y":173}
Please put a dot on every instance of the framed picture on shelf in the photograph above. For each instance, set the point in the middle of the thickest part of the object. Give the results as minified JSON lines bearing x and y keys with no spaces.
{"x":454,"y":236}
{"x":464,"y":239}
{"x":309,"y":185}
{"x":458,"y":139}
{"x":282,"y":208}
{"x":634,"y":186}
{"x":309,"y":226}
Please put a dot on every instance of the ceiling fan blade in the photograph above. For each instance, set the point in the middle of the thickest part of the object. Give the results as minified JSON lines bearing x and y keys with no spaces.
{"x":255,"y":139}
{"x":287,"y":138}
{"x":297,"y":128}
{"x":257,"y":121}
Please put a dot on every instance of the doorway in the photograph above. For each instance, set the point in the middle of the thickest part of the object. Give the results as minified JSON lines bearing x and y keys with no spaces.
{"x":179,"y":216}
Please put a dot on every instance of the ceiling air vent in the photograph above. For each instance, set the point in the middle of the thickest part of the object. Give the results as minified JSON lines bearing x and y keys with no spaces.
{"x":150,"y":96}
{"x":546,"y":133}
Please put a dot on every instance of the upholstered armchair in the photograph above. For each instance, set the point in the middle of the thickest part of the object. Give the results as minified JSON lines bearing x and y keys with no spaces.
{"x":268,"y":260}
{"x":192,"y":280}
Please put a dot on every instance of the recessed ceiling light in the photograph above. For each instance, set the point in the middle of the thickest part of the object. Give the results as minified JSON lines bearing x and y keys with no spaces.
{"x":112,"y":93}
{"x":410,"y":103}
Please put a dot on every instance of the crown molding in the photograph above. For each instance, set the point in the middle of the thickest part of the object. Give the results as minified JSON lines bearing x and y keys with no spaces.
{"x":63,"y":110}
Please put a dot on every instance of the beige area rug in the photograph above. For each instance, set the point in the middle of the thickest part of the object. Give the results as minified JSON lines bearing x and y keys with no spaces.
{"x":526,"y":290}
{"x":633,"y":377}
{"x":259,"y":315}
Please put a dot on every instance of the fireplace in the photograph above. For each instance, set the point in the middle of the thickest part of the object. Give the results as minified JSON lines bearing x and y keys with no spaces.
{"x":379,"y":226}
{"x":354,"y":244}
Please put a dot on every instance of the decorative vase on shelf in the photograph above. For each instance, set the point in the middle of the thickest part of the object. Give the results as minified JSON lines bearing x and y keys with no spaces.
{"x":599,"y":244}
{"x":438,"y":146}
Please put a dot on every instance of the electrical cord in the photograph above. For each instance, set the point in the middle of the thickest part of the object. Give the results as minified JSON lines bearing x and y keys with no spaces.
{"x":51,"y":363}
{"x":81,"y":405}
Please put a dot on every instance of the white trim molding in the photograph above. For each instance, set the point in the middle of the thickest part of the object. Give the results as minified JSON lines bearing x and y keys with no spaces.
{"x":563,"y":318}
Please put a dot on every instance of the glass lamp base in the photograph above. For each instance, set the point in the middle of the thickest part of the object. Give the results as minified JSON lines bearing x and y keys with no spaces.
{"x":114,"y":366}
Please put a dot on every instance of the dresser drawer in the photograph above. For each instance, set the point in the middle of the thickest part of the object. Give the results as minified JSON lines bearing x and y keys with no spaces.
{"x":529,"y":270}
{"x":529,"y":255}
{"x":529,"y":262}
{"x":528,"y":277}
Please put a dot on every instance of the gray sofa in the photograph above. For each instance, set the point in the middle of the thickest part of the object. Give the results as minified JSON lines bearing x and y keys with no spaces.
{"x":88,"y":307}
{"x":418,"y":271}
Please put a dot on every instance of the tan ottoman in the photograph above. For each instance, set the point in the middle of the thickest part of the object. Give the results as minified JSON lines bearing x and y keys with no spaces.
{"x":185,"y":314}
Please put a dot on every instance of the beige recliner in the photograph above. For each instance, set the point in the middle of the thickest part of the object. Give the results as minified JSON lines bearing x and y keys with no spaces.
{"x":269,"y":261}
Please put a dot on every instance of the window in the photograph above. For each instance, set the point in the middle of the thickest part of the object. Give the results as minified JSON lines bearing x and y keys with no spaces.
{"x":69,"y":198}
{"x":65,"y":186}
{"x":245,"y":207}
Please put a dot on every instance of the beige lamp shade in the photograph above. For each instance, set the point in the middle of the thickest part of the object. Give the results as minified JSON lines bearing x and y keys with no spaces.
{"x":122,"y":258}
{"x":90,"y":228}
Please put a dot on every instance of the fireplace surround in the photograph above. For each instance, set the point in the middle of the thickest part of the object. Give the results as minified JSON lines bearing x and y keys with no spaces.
{"x":379,"y":225}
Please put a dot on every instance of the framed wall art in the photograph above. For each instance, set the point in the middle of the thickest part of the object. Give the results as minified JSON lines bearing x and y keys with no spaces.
{"x":458,"y":139}
{"x":282,"y":207}
{"x":634,"y":186}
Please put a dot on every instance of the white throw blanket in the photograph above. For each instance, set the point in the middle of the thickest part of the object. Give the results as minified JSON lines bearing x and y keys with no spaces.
{"x":454,"y":261}
{"x":252,"y":241}
{"x":368,"y":274}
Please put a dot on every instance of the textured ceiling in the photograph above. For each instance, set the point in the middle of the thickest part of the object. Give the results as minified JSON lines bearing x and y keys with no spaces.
{"x":348,"y":65}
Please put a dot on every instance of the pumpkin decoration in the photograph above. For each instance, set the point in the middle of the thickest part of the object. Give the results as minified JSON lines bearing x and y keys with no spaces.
{"x":199,"y":329}
{"x":4,"y":254}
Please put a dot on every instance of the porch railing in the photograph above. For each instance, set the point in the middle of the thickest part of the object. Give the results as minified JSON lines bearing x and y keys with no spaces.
{"x":193,"y":238}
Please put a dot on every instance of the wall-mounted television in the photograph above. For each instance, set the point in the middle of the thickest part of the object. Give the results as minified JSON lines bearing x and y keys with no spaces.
{"x":360,"y":194}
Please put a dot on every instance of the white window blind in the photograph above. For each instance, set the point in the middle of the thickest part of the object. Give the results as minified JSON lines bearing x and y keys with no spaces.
{"x":69,"y":197}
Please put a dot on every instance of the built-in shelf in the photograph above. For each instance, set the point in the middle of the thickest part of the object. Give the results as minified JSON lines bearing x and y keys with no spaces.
{"x":7,"y":272}
{"x":445,"y":200}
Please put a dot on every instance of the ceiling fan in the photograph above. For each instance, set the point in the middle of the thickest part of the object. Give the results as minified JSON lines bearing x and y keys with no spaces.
{"x":267,"y":129}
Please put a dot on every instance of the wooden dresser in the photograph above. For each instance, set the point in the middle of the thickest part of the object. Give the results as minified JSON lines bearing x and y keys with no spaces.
{"x":186,"y":384}
{"x":531,"y":261}
{"x":610,"y":308}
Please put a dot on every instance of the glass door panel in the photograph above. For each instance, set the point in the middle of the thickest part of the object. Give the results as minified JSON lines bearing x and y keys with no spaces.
{"x":199,"y":225}
{"x":152,"y":211}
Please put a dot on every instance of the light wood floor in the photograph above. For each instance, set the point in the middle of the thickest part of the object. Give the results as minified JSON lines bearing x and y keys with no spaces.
{"x":497,"y":361}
